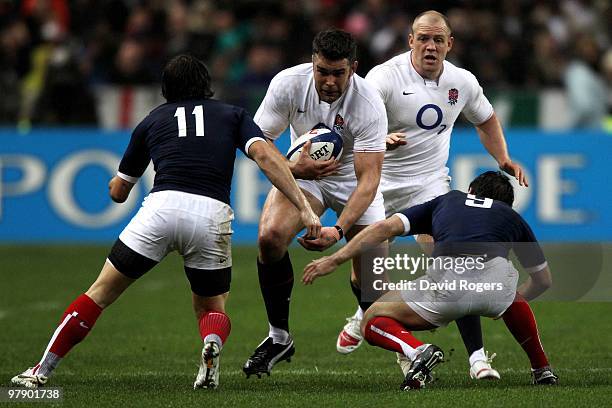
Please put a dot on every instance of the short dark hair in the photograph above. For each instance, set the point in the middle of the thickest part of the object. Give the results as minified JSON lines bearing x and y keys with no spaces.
{"x":335,"y":44}
{"x":435,"y":14}
{"x":185,"y":77}
{"x":495,"y":185}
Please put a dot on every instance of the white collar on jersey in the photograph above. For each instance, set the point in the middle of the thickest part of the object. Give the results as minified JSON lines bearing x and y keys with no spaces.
{"x":417,"y":76}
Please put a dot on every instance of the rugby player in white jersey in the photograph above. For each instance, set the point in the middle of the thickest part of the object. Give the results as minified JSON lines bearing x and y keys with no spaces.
{"x":325,"y":91}
{"x":423,"y":96}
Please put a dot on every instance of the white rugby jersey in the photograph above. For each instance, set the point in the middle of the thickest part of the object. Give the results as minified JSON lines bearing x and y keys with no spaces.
{"x":425,"y":111}
{"x":358,"y":116}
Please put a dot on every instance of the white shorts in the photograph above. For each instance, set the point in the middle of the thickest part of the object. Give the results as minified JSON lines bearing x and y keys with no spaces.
{"x":400,"y":193}
{"x":334,"y":193}
{"x":486,"y":292}
{"x":198,"y":227}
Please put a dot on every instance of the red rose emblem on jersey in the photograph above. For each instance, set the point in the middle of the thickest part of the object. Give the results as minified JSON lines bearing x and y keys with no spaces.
{"x":338,"y":123}
{"x":453,"y":96}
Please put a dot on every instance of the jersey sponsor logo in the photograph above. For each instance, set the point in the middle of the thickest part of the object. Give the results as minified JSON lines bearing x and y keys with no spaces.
{"x":453,"y":96}
{"x":421,"y":112}
{"x":339,"y":123}
{"x":407,"y":93}
{"x":301,"y":111}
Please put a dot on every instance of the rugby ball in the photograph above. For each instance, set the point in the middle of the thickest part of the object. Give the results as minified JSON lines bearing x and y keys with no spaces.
{"x":326,"y":144}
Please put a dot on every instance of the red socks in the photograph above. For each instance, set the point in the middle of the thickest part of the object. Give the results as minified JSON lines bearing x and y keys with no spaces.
{"x":77,"y":321}
{"x":215,"y":326}
{"x":521,"y":322}
{"x":391,"y":335}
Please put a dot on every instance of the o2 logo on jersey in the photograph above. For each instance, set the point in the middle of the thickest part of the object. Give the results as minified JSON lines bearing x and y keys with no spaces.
{"x":473,"y":201}
{"x":425,"y":112}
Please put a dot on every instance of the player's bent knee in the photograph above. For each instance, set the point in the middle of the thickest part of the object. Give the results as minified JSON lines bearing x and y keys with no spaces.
{"x":369,"y":314}
{"x":129,"y":262}
{"x":272,"y":241}
{"x":209,"y":282}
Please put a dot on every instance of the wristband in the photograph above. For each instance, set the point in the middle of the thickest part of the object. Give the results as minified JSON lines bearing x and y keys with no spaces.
{"x":340,"y":231}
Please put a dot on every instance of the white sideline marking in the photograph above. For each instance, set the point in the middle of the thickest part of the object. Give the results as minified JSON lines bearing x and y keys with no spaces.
{"x":304,"y":371}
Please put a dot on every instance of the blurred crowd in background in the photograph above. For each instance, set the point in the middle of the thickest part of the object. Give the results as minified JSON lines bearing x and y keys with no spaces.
{"x":55,"y":53}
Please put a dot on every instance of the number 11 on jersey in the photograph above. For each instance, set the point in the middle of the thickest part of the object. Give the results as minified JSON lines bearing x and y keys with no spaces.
{"x":198,"y":112}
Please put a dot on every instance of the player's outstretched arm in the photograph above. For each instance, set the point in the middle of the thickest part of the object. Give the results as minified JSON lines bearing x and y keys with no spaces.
{"x":373,"y":235}
{"x":492,"y":138}
{"x":274,"y":166}
{"x":536,"y":284}
{"x":119,"y":189}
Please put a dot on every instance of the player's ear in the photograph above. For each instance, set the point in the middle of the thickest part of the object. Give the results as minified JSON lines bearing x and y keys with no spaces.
{"x":451,"y":40}
{"x":354,"y":67}
{"x":410,"y":41}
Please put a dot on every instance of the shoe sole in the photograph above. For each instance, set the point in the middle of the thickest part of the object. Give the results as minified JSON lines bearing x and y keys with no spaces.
{"x":347,"y":349}
{"x":27,"y":382}
{"x":422,"y":376}
{"x":485,"y":374}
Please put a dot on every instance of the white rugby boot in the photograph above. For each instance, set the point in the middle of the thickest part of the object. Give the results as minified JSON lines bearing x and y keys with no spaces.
{"x":208,"y":374}
{"x":30,"y":379}
{"x":350,"y":337}
{"x":482,"y":370}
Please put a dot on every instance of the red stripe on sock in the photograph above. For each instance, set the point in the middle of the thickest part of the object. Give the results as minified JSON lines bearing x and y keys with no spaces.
{"x":215,"y":323}
{"x":77,"y":327}
{"x":522,"y":324}
{"x":392,"y":327}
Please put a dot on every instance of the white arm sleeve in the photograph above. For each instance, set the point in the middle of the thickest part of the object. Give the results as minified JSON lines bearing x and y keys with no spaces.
{"x":406,"y":223}
{"x":478,"y":109}
{"x":377,"y":78}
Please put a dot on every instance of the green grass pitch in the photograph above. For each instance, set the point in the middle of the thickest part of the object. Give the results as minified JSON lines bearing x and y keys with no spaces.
{"x":144,"y":349}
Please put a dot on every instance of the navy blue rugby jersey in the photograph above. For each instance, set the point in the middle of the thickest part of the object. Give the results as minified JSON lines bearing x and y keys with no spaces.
{"x":458,"y":222}
{"x":193,"y":146}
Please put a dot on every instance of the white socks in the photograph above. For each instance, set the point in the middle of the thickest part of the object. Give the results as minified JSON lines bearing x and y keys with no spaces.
{"x":279,"y":335}
{"x":478,"y":355}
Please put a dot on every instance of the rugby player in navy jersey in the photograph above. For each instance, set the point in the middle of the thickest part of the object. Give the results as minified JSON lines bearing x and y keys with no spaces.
{"x":192,"y":141}
{"x":478,"y":225}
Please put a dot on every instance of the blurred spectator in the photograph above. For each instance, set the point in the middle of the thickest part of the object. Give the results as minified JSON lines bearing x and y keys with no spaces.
{"x":130,"y":67}
{"x":587,"y":90}
{"x":508,"y":44}
{"x":65,"y":99}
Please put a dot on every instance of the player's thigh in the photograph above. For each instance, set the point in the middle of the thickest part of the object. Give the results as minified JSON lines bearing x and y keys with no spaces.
{"x":393,"y":305}
{"x":280,"y":219}
{"x":150,"y":232}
